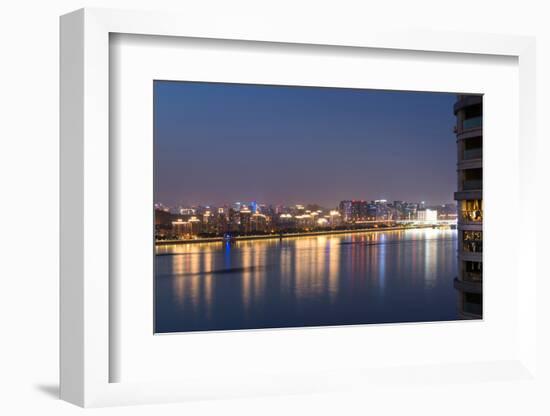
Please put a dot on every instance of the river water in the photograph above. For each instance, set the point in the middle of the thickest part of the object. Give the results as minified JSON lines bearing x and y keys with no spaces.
{"x":362,"y":278}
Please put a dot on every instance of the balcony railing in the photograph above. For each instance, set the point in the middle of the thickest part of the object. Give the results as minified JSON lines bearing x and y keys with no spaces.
{"x":472,"y":154}
{"x":472,"y":246}
{"x":472,"y":123}
{"x":472,"y":184}
{"x":474,"y":277}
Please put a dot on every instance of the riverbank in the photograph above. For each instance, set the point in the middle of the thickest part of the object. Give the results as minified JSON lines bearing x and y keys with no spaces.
{"x":290,"y":235}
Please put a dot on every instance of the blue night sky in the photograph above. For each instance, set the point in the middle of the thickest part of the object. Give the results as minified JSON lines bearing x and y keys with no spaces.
{"x":218,"y":143}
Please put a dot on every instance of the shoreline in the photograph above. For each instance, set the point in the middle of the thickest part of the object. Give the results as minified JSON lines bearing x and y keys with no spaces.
{"x":290,"y":235}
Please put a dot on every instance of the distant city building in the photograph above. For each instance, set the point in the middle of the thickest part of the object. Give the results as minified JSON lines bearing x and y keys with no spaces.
{"x":244,"y":220}
{"x":159,"y":206}
{"x":208,"y":222}
{"x":298,"y":209}
{"x":372,"y":211}
{"x":163,"y":223}
{"x":181,"y":229}
{"x":162,"y":217}
{"x":427,"y":215}
{"x":234,"y":220}
{"x":335,"y":218}
{"x":447,"y":212}
{"x":469,"y":122}
{"x":304,"y":221}
{"x":383,"y":211}
{"x":359,"y":210}
{"x":286,"y":221}
{"x":409,"y":210}
{"x":323,"y":222}
{"x":399,"y":211}
{"x":258,"y":223}
{"x":345,"y":210}
{"x":186,"y":229}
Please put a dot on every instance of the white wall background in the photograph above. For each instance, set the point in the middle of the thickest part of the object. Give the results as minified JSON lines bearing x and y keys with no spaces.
{"x":29,"y":208}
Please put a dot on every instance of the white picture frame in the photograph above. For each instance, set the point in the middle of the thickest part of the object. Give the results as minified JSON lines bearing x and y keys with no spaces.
{"x":86,"y":290}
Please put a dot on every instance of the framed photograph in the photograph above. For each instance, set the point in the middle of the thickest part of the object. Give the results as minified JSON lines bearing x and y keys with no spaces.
{"x":270,"y":212}
{"x":288,"y":206}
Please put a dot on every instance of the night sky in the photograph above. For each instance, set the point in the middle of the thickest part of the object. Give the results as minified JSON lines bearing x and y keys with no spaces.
{"x":218,"y":143}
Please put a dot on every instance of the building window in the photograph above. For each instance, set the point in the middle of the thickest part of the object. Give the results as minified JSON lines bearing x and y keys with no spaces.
{"x":472,"y":179}
{"x":473,"y":117}
{"x":472,"y":211}
{"x":472,"y":123}
{"x":472,"y":303}
{"x":472,"y":241}
{"x":472,"y":148}
{"x":472,"y":271}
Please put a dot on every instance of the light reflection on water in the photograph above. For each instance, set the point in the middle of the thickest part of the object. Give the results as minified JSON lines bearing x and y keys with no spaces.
{"x":376,"y":277}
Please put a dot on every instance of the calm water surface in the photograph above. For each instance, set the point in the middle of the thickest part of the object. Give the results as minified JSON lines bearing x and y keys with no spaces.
{"x":376,"y":277}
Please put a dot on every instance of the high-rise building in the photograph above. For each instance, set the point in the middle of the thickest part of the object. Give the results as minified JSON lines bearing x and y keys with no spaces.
{"x":234,"y":220}
{"x":181,"y":229}
{"x":244,"y":220}
{"x":469,"y":138}
{"x":221,"y":221}
{"x":187,"y":229}
{"x":258,"y":223}
{"x":208,"y":222}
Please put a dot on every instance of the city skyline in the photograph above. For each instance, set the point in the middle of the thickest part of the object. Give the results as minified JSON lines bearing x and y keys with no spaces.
{"x":292,"y":145}
{"x":255,"y":219}
{"x":246,"y":203}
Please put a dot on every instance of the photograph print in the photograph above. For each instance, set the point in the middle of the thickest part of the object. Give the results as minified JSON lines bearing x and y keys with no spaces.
{"x":291,"y":206}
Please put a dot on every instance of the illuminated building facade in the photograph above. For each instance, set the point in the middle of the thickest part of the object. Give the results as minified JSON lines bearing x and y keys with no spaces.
{"x":352,"y":211}
{"x":286,"y":221}
{"x":257,"y":219}
{"x":428,"y":215}
{"x":244,"y":220}
{"x":469,"y":138}
{"x":187,"y":229}
{"x":335,"y":218}
{"x":258,"y":223}
{"x":345,"y":210}
{"x":304,"y":221}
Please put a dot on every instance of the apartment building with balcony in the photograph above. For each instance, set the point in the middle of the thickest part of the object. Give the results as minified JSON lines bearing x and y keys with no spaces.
{"x":468,"y":110}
